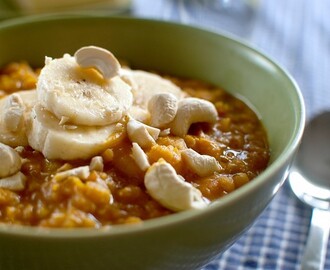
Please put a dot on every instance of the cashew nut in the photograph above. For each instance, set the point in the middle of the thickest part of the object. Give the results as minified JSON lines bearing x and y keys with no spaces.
{"x":13,"y":116}
{"x":81,"y":172}
{"x":99,"y":58}
{"x":142,"y":134}
{"x":10,"y":161}
{"x":192,"y":110}
{"x":64,"y":167}
{"x":96,"y":164}
{"x":202,"y":165}
{"x":162,"y":108}
{"x":165,"y":132}
{"x":64,"y":120}
{"x":140,"y":157}
{"x":14,"y":182}
{"x":171,"y":190}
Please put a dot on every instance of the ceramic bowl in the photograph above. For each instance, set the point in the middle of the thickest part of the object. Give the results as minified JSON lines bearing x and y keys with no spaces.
{"x":186,"y":240}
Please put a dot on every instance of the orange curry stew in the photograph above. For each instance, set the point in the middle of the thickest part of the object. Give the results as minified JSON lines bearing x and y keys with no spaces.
{"x":117,"y":194}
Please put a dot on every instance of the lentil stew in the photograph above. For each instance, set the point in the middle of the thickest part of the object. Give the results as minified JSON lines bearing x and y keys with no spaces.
{"x":115,"y":193}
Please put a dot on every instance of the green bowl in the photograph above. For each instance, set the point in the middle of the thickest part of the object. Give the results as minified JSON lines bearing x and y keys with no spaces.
{"x":186,"y":240}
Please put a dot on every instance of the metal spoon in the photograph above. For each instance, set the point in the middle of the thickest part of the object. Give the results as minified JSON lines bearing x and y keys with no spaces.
{"x":310,"y":181}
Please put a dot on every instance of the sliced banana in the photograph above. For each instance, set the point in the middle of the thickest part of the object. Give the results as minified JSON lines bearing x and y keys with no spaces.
{"x":145,"y":85}
{"x":140,"y":114}
{"x":57,"y":141}
{"x":14,"y":114}
{"x":82,"y":95}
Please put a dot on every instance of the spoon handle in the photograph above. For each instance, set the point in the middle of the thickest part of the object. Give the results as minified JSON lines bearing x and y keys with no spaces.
{"x":316,"y":247}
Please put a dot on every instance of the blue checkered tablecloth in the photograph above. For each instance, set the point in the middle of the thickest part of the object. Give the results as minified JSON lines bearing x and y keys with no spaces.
{"x":296,"y":34}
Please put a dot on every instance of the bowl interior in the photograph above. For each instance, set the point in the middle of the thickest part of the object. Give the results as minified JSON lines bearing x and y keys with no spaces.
{"x":173,"y":49}
{"x":177,"y":50}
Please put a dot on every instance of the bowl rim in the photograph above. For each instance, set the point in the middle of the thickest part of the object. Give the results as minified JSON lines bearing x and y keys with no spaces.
{"x":176,"y":218}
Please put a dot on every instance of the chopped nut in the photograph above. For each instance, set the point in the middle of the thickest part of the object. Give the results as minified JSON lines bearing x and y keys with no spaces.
{"x":81,"y":172}
{"x":96,"y":164}
{"x":140,"y":157}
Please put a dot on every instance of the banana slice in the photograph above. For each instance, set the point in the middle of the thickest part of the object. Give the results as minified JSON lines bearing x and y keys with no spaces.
{"x":64,"y":142}
{"x":14,"y":114}
{"x":82,"y":96}
{"x":144,"y":86}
